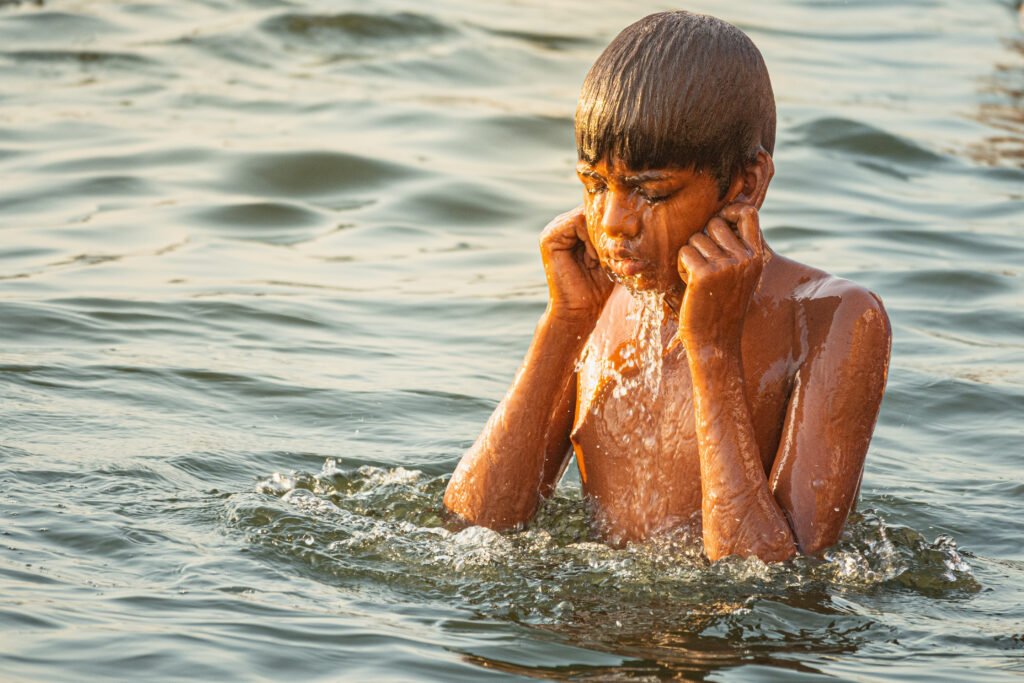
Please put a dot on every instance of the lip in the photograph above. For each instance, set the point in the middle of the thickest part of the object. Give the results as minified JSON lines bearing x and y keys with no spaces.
{"x":625,"y":266}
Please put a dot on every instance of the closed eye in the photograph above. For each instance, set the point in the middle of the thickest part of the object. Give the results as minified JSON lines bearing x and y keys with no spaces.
{"x":653,"y":197}
{"x":594,"y":183}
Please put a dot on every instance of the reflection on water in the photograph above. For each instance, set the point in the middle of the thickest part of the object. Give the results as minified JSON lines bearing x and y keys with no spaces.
{"x":246,"y":237}
{"x":1002,"y":107}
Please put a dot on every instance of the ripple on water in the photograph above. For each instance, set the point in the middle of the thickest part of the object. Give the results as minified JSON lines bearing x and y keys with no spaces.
{"x":463,"y":203}
{"x":554,"y":42}
{"x":50,"y":26}
{"x":270,"y":222}
{"x":314,"y":174}
{"x":126,"y":60}
{"x":862,"y":140}
{"x":942,"y":286}
{"x":357,"y":26}
{"x":136,"y":159}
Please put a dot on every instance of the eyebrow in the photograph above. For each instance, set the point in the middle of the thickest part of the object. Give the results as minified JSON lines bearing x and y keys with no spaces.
{"x":589,"y":172}
{"x":634,"y":179}
{"x":645,"y":177}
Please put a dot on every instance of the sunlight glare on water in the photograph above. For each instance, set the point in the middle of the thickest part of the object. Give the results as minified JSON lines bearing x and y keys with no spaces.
{"x":267,"y":266}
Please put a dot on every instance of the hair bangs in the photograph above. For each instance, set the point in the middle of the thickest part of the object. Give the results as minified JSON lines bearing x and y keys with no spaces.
{"x":677,"y":89}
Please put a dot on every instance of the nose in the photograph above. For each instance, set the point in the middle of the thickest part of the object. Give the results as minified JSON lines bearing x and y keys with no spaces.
{"x":619,"y":217}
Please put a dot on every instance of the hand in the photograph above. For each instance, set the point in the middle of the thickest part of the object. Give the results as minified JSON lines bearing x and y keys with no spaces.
{"x":577,"y":285}
{"x":721,"y":267}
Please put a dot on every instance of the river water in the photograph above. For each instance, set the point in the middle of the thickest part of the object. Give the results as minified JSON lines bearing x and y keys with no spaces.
{"x":266,"y":266}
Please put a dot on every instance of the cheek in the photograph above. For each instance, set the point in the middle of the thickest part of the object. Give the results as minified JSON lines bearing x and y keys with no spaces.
{"x":669,"y":231}
{"x":593,"y":212}
{"x":681,"y":223}
{"x":660,"y":227}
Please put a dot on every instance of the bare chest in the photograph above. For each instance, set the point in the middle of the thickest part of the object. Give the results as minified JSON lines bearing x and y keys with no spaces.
{"x":634,"y":434}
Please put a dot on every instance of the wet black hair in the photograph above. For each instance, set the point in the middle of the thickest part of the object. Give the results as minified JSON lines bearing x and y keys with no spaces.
{"x":678,"y":89}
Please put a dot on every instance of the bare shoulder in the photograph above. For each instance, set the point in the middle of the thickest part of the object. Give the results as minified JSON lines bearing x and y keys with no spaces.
{"x":834,"y":314}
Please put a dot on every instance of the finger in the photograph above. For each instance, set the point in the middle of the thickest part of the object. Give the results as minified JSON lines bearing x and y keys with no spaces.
{"x":588,"y":252}
{"x":706,"y":246}
{"x":690,"y":261}
{"x":584,"y":237}
{"x":746,"y":219}
{"x":726,"y":239}
{"x":562,"y":232}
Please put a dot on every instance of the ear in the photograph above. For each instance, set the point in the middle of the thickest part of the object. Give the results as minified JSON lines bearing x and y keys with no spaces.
{"x":751,"y":184}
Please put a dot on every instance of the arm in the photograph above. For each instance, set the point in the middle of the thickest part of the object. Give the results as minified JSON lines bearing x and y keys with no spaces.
{"x":831,"y":413}
{"x":524,"y":447}
{"x":721,"y":269}
{"x":740,"y":515}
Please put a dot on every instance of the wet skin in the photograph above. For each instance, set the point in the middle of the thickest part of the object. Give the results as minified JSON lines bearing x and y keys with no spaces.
{"x":772,"y":375}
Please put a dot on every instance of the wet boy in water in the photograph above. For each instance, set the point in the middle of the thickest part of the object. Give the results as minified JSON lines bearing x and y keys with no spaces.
{"x":703,"y":381}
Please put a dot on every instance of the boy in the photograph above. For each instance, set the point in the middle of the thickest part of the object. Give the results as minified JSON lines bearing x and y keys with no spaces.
{"x":702,"y":380}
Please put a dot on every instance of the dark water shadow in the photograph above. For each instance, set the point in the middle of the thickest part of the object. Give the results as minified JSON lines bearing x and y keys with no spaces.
{"x":784,"y":633}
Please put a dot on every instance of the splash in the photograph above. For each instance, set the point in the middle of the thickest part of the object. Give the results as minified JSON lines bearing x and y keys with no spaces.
{"x":649,"y":312}
{"x":371,"y":524}
{"x":631,"y":376}
{"x":636,"y":365}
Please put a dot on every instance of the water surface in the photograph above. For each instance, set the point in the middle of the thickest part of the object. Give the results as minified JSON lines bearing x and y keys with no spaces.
{"x":267,"y":266}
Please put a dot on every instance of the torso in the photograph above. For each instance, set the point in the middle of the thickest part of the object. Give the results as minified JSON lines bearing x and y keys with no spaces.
{"x":634,"y":433}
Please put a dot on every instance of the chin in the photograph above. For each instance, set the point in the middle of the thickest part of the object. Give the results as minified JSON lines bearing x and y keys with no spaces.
{"x":637,"y":276}
{"x":640,"y":282}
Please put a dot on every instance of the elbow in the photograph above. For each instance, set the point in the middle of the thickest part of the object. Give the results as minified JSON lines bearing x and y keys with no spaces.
{"x":768,"y":540}
{"x":780,"y":554}
{"x":768,"y":554}
{"x":474,"y":508}
{"x":815,"y":541}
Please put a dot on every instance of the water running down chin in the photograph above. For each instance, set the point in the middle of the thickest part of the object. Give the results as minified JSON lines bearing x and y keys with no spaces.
{"x":243,"y":239}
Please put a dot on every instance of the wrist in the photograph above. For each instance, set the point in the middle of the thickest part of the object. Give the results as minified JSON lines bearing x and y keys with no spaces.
{"x":569,"y":321}
{"x":709,"y":358}
{"x":711,"y":343}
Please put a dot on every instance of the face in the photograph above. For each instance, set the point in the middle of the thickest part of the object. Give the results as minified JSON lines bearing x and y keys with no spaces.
{"x":638,"y":220}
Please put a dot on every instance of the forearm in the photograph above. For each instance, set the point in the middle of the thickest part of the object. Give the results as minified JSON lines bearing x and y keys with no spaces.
{"x":740,"y":515}
{"x":499,"y":481}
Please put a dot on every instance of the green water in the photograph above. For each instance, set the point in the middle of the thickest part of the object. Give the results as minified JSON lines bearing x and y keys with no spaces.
{"x":267,"y":266}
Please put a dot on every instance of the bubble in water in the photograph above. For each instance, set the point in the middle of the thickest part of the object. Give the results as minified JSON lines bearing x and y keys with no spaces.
{"x":277,"y":483}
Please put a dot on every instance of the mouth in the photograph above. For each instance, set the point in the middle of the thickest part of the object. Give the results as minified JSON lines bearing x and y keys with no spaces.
{"x":624,"y":266}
